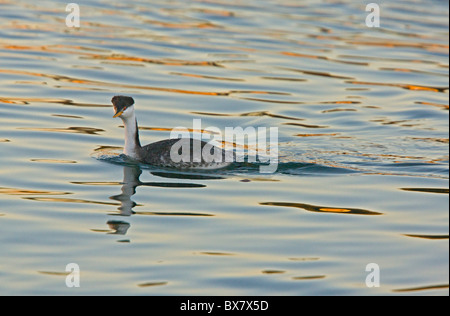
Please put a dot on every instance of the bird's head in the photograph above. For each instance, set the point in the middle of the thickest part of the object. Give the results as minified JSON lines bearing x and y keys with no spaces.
{"x":123,"y":106}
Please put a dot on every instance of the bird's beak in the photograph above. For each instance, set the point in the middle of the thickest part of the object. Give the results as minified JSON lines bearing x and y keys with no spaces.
{"x":119,"y":113}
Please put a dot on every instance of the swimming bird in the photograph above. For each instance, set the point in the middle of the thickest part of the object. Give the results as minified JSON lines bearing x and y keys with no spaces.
{"x":180,"y":153}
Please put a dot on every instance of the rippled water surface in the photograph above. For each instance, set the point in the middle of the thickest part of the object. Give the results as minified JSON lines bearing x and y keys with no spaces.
{"x":362,"y":118}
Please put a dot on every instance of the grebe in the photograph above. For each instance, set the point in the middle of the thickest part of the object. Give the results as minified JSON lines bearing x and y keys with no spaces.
{"x":181,"y":153}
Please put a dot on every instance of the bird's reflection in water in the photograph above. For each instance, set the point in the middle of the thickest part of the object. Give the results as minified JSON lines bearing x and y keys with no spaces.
{"x":130,"y":182}
{"x":118,"y":227}
{"x":131,"y":175}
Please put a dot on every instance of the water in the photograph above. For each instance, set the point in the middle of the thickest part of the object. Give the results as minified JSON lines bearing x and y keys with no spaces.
{"x":362,"y":116}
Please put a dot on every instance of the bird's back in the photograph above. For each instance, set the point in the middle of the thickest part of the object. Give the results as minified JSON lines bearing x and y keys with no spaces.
{"x":185,"y":153}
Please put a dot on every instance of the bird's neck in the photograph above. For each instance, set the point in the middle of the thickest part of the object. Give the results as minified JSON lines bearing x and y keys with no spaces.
{"x":132,"y":144}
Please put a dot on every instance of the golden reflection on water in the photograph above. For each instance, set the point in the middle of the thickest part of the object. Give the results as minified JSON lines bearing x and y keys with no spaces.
{"x":308,"y":277}
{"x":432,"y":139}
{"x":69,"y":79}
{"x":339,"y":110}
{"x":283,"y":78}
{"x":65,"y":200}
{"x":273,"y":271}
{"x":403,"y":86}
{"x":73,"y":129}
{"x":323,"y":209}
{"x":259,"y":113}
{"x":102,"y":183}
{"x":316,"y":135}
{"x":149,"y":284}
{"x":304,"y":259}
{"x":53,"y":160}
{"x":106,"y":149}
{"x":423,"y":288}
{"x":411,"y":71}
{"x":306,"y":125}
{"x":173,"y":213}
{"x":442,"y":106}
{"x":14,"y":191}
{"x":318,"y":73}
{"x":205,"y":77}
{"x":166,"y":62}
{"x":25,"y":100}
{"x":427,"y":190}
{"x":230,"y":61}
{"x":324,"y":58}
{"x":391,"y":43}
{"x":432,"y":237}
{"x":112,"y":85}
{"x":67,"y":116}
{"x":55,"y":273}
{"x":215,"y":253}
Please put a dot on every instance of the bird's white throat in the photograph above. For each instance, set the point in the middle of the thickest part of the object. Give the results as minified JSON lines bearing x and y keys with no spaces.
{"x":131,"y":133}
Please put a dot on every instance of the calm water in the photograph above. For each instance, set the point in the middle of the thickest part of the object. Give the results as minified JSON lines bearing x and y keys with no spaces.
{"x":362,"y":115}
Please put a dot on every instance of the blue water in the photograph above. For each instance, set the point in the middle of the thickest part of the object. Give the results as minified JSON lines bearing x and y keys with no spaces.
{"x":362,"y":118}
